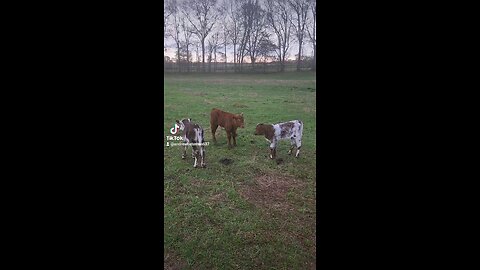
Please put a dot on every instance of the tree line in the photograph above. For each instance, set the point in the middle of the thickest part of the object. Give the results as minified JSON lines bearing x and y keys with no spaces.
{"x":254,"y":30}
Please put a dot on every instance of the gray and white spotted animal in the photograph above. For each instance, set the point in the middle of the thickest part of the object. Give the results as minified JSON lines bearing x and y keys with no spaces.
{"x":193,"y":133}
{"x":291,"y":130}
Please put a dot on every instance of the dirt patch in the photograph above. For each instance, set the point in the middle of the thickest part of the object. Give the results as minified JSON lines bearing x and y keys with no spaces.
{"x":217,"y":199}
{"x":237,"y":105}
{"x":270,"y":191}
{"x":171,"y":261}
{"x":196,"y":182}
{"x":226,"y":161}
{"x":208,"y":101}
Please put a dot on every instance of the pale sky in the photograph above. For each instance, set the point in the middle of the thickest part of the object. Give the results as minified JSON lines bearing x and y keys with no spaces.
{"x":171,"y":50}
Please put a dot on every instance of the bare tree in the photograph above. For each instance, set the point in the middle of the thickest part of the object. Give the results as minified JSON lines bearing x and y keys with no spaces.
{"x":312,"y":33}
{"x":215,"y":44}
{"x":167,"y":11}
{"x":225,"y":43}
{"x":197,"y":54}
{"x":187,"y":35}
{"x":300,"y":8}
{"x":175,"y":30}
{"x":258,"y":32}
{"x":248,"y":16}
{"x":279,"y":19}
{"x":202,"y":15}
{"x":225,"y":31}
{"x":234,"y":17}
{"x":212,"y":51}
{"x":265,"y":50}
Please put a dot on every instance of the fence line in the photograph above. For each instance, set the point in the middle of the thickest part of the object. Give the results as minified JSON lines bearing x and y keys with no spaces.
{"x":230,"y":67}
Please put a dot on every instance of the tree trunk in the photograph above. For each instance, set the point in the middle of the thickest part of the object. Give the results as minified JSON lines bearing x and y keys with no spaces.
{"x":234,"y":58}
{"x":178,"y":57}
{"x":314,"y":66}
{"x":209,"y":61}
{"x":188,"y":60}
{"x":215,"y":60}
{"x":299,"y":54}
{"x":203,"y":54}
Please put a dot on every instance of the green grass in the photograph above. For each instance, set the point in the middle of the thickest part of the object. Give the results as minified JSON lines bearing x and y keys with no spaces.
{"x":223,"y":216}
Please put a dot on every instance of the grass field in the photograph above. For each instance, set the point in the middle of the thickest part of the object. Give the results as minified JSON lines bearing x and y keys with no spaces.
{"x":255,"y":213}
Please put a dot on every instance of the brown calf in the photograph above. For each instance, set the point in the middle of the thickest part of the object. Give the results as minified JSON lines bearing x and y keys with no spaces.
{"x":227,"y":120}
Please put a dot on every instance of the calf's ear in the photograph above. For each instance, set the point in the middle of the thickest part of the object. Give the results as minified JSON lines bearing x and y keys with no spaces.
{"x":176,"y":121}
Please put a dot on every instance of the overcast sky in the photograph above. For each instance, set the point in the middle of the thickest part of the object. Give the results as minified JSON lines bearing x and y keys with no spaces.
{"x":170,"y":45}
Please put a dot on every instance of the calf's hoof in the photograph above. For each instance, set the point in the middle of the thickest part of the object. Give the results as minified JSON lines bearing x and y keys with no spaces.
{"x":195,"y":166}
{"x":271,"y":157}
{"x":183,"y":157}
{"x":204,"y":165}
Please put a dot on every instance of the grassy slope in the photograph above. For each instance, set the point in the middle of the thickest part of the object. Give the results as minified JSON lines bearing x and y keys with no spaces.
{"x":208,"y":223}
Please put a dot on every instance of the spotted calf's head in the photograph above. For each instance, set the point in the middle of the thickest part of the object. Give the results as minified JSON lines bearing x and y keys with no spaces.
{"x":265,"y":129}
{"x":239,"y":122}
{"x":182,"y":123}
{"x":259,"y":129}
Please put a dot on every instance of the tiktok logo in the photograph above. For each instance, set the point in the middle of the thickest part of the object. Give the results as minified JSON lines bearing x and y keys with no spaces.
{"x":175,"y":128}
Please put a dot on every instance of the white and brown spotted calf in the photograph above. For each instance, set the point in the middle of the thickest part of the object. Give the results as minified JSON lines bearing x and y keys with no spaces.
{"x":291,"y":130}
{"x":193,"y":133}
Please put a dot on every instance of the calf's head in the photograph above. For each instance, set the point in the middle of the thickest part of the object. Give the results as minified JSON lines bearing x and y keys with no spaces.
{"x":260,"y":129}
{"x":238,"y":118}
{"x":182,"y":122}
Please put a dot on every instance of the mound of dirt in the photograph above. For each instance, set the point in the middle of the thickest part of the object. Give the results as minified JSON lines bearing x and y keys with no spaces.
{"x":172,"y":261}
{"x":226,"y":161}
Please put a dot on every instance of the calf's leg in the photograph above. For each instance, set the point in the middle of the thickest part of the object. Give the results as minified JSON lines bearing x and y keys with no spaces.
{"x":234,"y":134}
{"x":298,"y":142}
{"x":229,"y":136}
{"x":202,"y":154}
{"x":273,"y":153}
{"x":273,"y":150}
{"x":184,"y":151}
{"x":214,"y":128}
{"x":292,"y":142}
{"x":195,"y":163}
